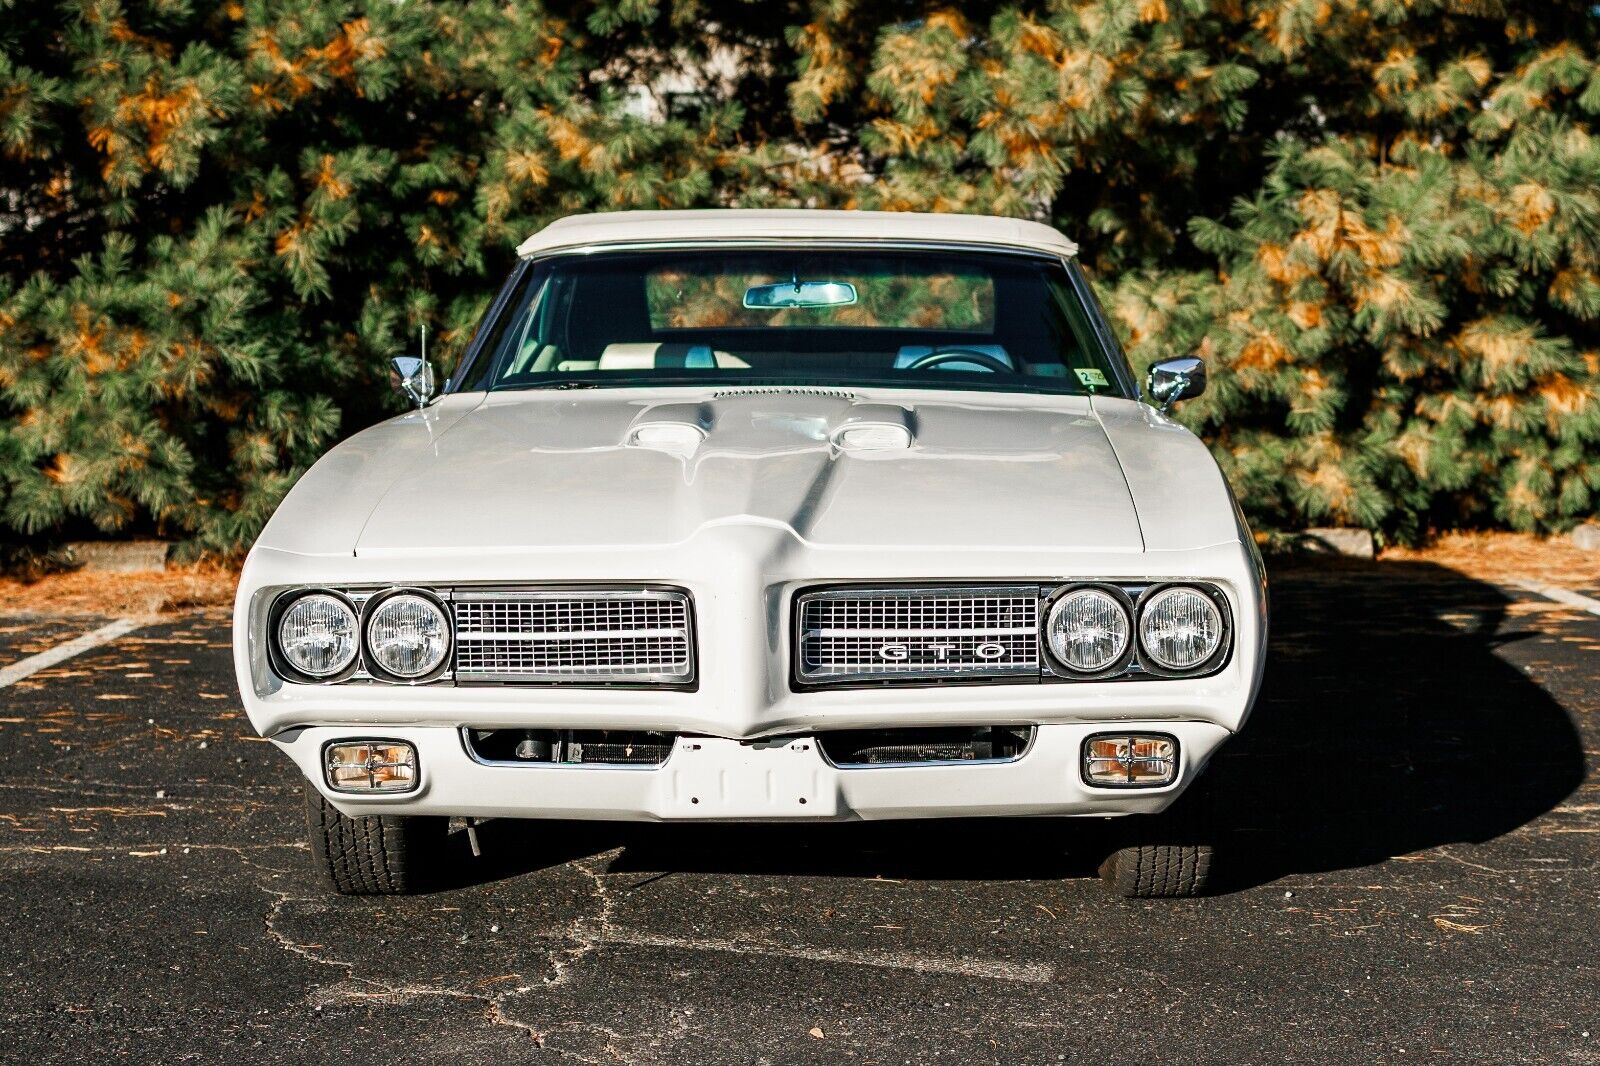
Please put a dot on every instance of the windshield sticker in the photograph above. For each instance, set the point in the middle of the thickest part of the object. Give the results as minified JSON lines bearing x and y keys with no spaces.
{"x":1093,"y":379}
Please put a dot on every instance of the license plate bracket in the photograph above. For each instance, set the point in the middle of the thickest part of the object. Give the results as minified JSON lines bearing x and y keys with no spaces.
{"x":714,"y":778}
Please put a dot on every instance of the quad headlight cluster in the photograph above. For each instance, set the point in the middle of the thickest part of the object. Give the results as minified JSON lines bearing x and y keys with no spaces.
{"x":401,"y":636}
{"x":1098,"y":630}
{"x":1089,"y":631}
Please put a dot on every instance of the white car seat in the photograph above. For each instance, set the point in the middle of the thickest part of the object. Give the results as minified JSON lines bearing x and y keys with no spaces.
{"x":665,"y":356}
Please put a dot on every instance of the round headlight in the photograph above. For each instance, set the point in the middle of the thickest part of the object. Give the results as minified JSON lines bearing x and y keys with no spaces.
{"x":408,"y":636}
{"x":317,"y":635}
{"x":1180,"y":628}
{"x":1088,"y":630}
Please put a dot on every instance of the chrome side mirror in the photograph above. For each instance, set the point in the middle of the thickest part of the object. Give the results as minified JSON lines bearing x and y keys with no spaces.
{"x":1172,"y":380}
{"x":413,"y":377}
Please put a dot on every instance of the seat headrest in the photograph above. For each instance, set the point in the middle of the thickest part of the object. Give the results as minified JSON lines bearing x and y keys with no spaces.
{"x":657,"y":356}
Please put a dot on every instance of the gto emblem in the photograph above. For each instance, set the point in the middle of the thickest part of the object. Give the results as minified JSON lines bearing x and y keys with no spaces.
{"x":897,"y":652}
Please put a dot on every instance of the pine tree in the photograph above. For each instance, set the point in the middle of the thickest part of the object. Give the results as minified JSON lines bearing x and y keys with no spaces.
{"x":1377,"y":219}
{"x":217,"y":222}
{"x":1406,"y":328}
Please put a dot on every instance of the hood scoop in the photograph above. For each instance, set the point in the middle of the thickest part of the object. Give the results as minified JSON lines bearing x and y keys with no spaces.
{"x":678,"y":428}
{"x":875,"y":427}
{"x":681,"y":428}
{"x":525,"y":473}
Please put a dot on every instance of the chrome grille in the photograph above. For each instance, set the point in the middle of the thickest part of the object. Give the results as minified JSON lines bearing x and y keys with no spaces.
{"x":912,"y":633}
{"x":639,"y":636}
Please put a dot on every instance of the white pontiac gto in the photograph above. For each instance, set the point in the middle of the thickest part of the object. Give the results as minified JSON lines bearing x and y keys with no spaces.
{"x":763,"y":516}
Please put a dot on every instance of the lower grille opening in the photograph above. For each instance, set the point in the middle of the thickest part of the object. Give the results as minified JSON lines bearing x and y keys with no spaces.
{"x":920,"y":746}
{"x":569,"y":747}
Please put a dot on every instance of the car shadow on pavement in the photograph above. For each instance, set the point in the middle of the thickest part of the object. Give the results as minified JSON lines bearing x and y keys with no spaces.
{"x":1387,"y":724}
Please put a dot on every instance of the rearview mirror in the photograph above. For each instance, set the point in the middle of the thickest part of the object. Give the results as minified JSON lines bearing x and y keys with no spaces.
{"x":799,"y":293}
{"x":412,"y":377}
{"x":1172,"y":380}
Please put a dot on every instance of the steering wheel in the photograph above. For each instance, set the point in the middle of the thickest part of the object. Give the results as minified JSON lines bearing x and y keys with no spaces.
{"x":941,"y":356}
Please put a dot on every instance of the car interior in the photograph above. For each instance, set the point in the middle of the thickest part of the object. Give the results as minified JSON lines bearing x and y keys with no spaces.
{"x":642,"y":316}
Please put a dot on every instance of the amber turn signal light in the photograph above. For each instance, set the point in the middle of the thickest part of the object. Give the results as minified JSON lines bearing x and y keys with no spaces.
{"x":1130,"y":761}
{"x":371,"y":766}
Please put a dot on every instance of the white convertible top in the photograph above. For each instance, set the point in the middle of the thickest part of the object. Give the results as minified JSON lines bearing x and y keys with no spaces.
{"x":718,"y":225}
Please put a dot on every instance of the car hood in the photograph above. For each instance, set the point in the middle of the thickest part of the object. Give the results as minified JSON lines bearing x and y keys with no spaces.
{"x":537,"y":470}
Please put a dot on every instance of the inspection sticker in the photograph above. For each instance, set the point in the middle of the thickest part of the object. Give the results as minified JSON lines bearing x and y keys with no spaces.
{"x":1092,"y":379}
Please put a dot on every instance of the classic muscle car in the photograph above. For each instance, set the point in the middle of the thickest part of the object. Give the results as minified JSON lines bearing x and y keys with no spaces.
{"x":797,"y":516}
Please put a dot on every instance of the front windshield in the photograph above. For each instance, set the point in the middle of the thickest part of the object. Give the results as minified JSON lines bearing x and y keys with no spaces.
{"x":914,"y":319}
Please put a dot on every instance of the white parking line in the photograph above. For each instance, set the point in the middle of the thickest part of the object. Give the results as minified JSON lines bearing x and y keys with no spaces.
{"x":1033,"y":973}
{"x":22,"y":668}
{"x":1560,"y":595}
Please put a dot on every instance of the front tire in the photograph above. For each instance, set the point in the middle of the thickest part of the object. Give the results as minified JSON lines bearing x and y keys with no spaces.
{"x":1157,"y":871}
{"x":375,"y":855}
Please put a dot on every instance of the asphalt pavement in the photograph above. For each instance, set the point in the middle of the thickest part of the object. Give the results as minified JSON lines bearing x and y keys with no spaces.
{"x":1408,"y":833}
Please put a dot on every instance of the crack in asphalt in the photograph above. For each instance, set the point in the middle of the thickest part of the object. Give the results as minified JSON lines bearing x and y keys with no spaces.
{"x":591,"y":932}
{"x":386,"y":993}
{"x":582,"y":936}
{"x":679,"y":1029}
{"x":587,"y":932}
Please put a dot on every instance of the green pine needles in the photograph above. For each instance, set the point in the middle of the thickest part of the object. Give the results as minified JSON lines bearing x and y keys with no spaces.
{"x":1380,"y":222}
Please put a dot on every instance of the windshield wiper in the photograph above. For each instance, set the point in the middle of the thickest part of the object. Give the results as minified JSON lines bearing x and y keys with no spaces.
{"x":620,"y":381}
{"x":561,"y":383}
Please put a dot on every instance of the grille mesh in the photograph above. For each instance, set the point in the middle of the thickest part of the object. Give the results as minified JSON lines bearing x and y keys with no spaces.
{"x":860,"y":634}
{"x":598,"y":637}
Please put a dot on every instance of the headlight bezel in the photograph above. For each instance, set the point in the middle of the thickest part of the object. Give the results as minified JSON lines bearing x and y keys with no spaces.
{"x":1135,"y":664}
{"x":271,"y":672}
{"x":1047,"y":609}
{"x":1207,"y":666}
{"x":369,"y":611}
{"x":361,"y":601}
{"x":280,"y":659}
